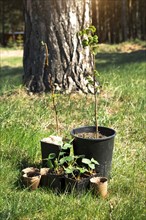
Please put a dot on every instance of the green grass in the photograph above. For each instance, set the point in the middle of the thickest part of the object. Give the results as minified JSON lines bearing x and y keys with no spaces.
{"x":25,"y":120}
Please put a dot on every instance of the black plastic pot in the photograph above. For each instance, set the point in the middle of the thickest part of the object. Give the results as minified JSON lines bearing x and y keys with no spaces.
{"x":78,"y":186}
{"x":56,"y":182}
{"x":101,"y":149}
{"x":44,"y":177}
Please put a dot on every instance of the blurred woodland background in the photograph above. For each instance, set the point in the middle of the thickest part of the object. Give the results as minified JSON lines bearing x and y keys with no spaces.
{"x":116,"y":20}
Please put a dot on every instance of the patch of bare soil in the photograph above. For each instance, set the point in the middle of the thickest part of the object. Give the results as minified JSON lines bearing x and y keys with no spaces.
{"x":121,"y":48}
{"x":128,"y":48}
{"x":11,"y":53}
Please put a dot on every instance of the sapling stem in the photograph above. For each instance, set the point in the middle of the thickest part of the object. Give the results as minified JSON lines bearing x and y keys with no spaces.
{"x":95,"y":97}
{"x":52,"y":89}
{"x":56,"y":113}
{"x":54,"y":104}
{"x":90,"y":39}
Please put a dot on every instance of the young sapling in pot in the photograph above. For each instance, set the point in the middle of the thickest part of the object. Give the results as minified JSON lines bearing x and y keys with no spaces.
{"x":90,"y":40}
{"x":51,"y":144}
{"x":94,"y":141}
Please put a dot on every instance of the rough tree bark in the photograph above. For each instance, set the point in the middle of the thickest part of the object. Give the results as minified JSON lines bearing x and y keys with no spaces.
{"x":55,"y":23}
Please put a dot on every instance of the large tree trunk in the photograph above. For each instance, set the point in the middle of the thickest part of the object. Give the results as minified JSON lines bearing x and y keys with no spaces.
{"x":53,"y":25}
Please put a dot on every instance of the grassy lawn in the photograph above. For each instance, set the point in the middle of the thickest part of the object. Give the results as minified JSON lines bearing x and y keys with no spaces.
{"x":25,"y":120}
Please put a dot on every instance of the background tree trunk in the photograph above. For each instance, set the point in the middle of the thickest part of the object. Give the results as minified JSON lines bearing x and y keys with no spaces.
{"x":3,"y":22}
{"x":56,"y":23}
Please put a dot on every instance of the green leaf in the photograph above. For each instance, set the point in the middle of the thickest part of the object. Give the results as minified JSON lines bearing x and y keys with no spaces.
{"x":92,"y":166}
{"x":87,"y":31}
{"x":94,"y":161}
{"x":67,"y":159}
{"x":95,"y":37}
{"x":66,"y":146}
{"x":62,"y":153}
{"x":83,"y":31}
{"x":50,"y":164}
{"x":69,"y":170}
{"x":90,"y":40}
{"x":70,"y":158}
{"x":92,"y":28}
{"x":82,"y":169}
{"x":60,"y":143}
{"x":85,"y":43}
{"x":86,"y":161}
{"x":62,"y":160}
{"x":52,"y":156}
{"x":79,"y":156}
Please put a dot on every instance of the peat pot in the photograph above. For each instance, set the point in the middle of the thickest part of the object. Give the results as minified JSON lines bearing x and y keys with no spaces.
{"x":101,"y":149}
{"x":31,"y":179}
{"x":99,"y":186}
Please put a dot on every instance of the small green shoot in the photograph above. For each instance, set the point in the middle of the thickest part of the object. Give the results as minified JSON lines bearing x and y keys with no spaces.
{"x":91,"y":163}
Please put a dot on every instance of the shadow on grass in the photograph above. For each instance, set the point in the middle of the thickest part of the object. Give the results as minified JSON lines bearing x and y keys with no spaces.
{"x":107,"y":60}
{"x":7,"y":71}
{"x":10,"y":77}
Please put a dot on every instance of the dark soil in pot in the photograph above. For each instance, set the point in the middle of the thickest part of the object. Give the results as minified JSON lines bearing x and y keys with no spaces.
{"x":91,"y":135}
